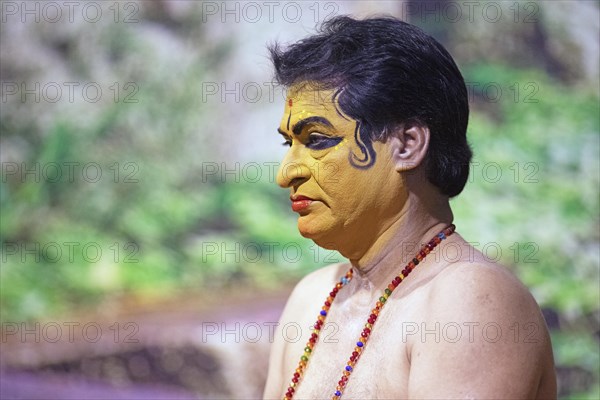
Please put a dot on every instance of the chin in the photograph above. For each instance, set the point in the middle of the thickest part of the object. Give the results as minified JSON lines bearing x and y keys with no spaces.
{"x":317,"y":233}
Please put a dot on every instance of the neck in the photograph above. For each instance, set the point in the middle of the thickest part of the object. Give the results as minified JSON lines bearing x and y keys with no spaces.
{"x":376,"y":265}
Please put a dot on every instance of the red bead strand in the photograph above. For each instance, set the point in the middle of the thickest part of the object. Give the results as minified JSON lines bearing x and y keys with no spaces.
{"x":314,"y":337}
{"x":365,"y":334}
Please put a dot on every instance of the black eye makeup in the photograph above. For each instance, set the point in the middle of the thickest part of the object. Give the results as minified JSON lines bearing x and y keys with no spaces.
{"x":319,"y":141}
{"x":313,"y":140}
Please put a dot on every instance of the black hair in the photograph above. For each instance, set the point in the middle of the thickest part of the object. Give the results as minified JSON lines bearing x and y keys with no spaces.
{"x":387,"y":72}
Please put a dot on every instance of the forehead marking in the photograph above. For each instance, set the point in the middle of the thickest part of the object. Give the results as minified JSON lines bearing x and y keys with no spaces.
{"x":289,"y":118}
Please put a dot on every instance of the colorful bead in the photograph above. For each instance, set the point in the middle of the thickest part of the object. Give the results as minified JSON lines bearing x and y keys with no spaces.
{"x":365,"y":334}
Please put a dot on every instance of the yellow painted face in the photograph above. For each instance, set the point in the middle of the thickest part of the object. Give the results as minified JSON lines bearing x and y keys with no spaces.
{"x":341,"y":203}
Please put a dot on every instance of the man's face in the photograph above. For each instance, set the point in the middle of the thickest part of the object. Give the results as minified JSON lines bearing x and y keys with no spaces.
{"x":338,"y":203}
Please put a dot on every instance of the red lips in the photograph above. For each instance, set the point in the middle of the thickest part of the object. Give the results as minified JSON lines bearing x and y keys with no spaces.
{"x":300,"y":202}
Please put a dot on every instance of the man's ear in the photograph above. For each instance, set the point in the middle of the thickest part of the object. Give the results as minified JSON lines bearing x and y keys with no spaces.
{"x":409,"y":142}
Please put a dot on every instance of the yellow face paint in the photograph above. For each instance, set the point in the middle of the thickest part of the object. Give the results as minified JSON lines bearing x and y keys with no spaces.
{"x":338,"y":199}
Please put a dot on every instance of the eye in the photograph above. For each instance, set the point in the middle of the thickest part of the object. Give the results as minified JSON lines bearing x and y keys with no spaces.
{"x":287,"y":140}
{"x":319,"y":141}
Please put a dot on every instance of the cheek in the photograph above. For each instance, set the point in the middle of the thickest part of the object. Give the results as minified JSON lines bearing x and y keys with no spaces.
{"x":344,"y":185}
{"x":333,"y":167}
{"x":369,"y":188}
{"x":333,"y":171}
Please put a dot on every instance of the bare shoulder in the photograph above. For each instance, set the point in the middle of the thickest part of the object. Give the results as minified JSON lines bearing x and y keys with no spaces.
{"x":482,"y":288}
{"x":486,"y":326}
{"x":491,"y":298}
{"x":304,"y":301}
{"x":309,"y":293}
{"x":317,"y":281}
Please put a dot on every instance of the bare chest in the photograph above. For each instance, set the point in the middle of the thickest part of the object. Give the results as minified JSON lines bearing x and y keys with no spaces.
{"x":382,"y":370}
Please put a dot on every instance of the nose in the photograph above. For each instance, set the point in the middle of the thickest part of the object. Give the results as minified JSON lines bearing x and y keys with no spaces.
{"x":293,"y":170}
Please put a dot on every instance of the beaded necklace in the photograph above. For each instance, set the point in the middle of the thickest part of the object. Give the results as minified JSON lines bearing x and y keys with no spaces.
{"x":364,"y":336}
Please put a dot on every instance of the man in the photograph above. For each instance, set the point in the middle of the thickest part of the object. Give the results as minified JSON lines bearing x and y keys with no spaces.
{"x":376,"y":119}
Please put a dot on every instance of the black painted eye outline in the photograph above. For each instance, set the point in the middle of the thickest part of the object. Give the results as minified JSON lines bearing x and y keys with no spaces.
{"x":319,"y":141}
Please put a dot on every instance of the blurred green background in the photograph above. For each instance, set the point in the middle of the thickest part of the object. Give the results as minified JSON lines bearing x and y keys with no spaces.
{"x":138,"y":147}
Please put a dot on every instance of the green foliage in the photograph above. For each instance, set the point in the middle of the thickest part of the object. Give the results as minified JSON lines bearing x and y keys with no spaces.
{"x":542,"y":210}
{"x":533,"y":192}
{"x":534,"y":186}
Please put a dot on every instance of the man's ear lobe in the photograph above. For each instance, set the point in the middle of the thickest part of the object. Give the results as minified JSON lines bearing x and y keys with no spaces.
{"x":409,"y":146}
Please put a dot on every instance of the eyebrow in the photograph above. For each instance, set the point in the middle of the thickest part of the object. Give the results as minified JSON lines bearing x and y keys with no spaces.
{"x":299,"y":126}
{"x":281,"y":132}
